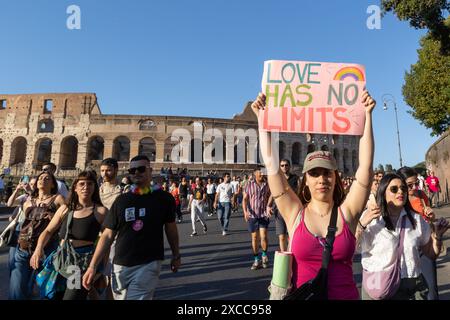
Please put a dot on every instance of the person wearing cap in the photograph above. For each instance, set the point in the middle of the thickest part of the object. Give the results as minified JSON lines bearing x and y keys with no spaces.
{"x":320,"y":190}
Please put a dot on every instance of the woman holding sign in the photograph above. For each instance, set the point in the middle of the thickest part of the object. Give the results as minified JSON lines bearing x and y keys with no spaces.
{"x":320,"y":191}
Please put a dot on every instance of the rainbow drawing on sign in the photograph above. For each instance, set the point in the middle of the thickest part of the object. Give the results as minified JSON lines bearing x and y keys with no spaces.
{"x":351,"y":72}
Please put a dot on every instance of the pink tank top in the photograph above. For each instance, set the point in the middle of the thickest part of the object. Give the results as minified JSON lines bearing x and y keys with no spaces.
{"x":307,"y":250}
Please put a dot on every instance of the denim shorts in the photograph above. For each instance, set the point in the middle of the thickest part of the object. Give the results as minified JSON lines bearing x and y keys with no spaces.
{"x":254,"y":224}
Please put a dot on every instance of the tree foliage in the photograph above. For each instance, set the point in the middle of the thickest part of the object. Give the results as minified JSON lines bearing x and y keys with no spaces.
{"x":427,"y":87}
{"x":423,"y":14}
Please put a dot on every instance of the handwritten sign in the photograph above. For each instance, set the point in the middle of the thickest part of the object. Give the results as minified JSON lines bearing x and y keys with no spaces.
{"x":313,"y":97}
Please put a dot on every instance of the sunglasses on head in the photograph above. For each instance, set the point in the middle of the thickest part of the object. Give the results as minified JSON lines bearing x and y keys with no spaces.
{"x":140,"y":169}
{"x":394,"y":189}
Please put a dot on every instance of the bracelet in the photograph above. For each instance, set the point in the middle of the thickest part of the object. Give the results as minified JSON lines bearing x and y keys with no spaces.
{"x":364,"y":228}
{"x":281,"y":194}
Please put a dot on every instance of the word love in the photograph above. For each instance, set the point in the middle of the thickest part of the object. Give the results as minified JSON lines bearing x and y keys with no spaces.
{"x":314,"y":97}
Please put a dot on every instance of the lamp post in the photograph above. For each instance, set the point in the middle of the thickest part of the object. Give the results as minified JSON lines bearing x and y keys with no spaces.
{"x":386,"y":99}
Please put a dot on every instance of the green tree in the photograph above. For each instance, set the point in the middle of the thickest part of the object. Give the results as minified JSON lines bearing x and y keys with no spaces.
{"x":423,"y":14}
{"x":427,"y":87}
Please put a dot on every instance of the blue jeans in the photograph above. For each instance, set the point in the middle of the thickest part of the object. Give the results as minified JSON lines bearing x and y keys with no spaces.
{"x":22,"y":276}
{"x":223,"y":213}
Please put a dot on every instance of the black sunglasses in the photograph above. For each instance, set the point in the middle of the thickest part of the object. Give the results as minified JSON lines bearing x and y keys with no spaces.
{"x":412,"y":185}
{"x":394,"y":189}
{"x":284,"y":165}
{"x":140,"y":169}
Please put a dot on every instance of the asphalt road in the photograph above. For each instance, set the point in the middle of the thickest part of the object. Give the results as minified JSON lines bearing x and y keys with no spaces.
{"x":218,"y":267}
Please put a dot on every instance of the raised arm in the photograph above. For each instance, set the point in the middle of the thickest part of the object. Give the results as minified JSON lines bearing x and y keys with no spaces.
{"x":357,"y":197}
{"x":285,"y":198}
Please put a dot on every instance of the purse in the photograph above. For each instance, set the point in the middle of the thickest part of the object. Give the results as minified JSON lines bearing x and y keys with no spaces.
{"x":8,"y":238}
{"x":317,"y":288}
{"x":66,"y":257}
{"x":381,"y":285}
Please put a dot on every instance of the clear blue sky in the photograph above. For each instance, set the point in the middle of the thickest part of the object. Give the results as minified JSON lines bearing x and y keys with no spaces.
{"x":204,"y":57}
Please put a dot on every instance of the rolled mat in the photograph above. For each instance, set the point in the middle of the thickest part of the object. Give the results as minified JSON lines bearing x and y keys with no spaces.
{"x":282,"y":269}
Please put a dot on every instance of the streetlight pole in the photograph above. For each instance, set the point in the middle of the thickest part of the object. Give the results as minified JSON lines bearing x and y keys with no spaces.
{"x":390,"y":98}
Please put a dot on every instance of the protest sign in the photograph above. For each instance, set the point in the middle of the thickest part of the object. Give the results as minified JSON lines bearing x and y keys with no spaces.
{"x":313,"y":97}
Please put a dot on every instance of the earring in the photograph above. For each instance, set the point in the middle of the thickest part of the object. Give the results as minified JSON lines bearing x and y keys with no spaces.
{"x":304,"y":197}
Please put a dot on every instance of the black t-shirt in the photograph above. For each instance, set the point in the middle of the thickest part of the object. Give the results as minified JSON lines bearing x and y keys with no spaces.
{"x":198,"y":193}
{"x":183,"y":190}
{"x":139,"y":222}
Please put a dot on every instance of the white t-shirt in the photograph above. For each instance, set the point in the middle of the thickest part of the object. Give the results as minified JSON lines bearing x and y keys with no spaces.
{"x":379,"y":245}
{"x":211,"y":188}
{"x":225,"y":191}
{"x":62,"y":189}
{"x":235,"y":185}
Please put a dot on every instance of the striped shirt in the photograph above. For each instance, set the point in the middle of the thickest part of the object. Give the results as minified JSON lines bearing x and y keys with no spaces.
{"x":258,"y":196}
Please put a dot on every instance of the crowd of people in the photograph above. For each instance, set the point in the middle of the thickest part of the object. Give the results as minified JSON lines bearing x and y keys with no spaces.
{"x":113,"y":232}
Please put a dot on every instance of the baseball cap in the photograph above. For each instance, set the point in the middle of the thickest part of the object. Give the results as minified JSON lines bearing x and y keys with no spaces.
{"x":319,"y":159}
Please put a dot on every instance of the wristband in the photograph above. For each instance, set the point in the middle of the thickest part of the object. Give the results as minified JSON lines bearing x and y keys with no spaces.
{"x":359,"y":222}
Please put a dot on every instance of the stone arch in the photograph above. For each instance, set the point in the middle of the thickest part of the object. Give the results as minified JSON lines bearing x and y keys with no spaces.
{"x":354,"y":161}
{"x":1,"y":150}
{"x":311,"y":148}
{"x":345,"y":161}
{"x":147,"y":124}
{"x":121,"y":148}
{"x":147,"y":147}
{"x":282,"y":150}
{"x":240,"y":144}
{"x":95,"y":148}
{"x":195,"y":151}
{"x":169,"y":145}
{"x":43,"y":152}
{"x":336,"y":155}
{"x":69,"y":153}
{"x":46,"y":126}
{"x":18,"y":151}
{"x":296,"y":153}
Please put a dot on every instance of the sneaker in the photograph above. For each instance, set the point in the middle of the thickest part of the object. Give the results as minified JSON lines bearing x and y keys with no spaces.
{"x":205,"y":228}
{"x":256,"y":265}
{"x":224,"y":233}
{"x":180,"y":221}
{"x":265,"y":262}
{"x":210,"y":215}
{"x":193,"y":234}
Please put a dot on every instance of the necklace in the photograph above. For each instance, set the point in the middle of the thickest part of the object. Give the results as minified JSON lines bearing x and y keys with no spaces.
{"x":143,"y":191}
{"x":43,"y":199}
{"x":319,"y":214}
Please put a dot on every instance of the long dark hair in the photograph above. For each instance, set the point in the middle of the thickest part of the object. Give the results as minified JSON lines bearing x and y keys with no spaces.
{"x":73,"y":202}
{"x":338,"y":194}
{"x":382,"y":204}
{"x":54,"y":189}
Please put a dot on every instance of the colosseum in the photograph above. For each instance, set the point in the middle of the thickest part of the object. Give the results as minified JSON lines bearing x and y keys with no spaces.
{"x":70,"y":130}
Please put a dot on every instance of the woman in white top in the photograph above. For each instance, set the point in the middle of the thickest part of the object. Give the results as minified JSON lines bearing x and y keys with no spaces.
{"x":381,"y":226}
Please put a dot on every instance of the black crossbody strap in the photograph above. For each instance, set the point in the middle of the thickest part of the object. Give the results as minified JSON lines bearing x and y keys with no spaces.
{"x":326,"y":254}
